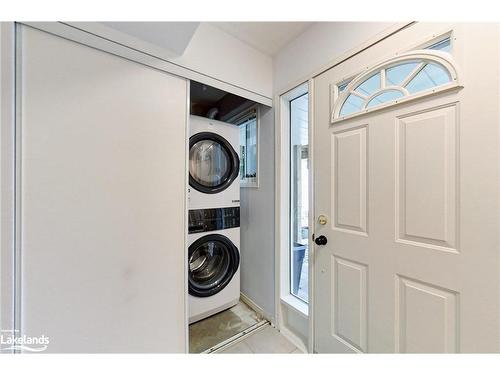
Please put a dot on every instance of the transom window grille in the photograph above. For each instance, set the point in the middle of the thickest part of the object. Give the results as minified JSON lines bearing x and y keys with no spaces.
{"x":407,"y":76}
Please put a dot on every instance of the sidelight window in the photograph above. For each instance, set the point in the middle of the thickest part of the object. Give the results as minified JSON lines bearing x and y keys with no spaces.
{"x":294,"y":171}
{"x":299,"y":196}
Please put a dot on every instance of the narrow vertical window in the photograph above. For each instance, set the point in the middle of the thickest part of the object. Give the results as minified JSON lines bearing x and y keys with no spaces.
{"x":248,"y":124}
{"x":299,"y":196}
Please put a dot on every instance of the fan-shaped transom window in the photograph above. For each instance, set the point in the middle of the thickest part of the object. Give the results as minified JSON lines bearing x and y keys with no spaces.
{"x":410,"y":75}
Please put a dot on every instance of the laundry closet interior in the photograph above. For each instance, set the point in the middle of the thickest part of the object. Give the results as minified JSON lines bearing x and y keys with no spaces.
{"x":222,"y":160}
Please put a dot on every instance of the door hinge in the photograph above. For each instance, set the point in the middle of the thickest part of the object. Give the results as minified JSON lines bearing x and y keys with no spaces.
{"x":313,"y":236}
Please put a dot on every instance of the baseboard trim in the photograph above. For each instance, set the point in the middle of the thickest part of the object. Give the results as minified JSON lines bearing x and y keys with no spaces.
{"x":247,"y":300}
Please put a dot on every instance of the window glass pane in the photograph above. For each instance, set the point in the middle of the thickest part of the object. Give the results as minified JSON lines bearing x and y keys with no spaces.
{"x":352,"y":104}
{"x":243,"y":150}
{"x":248,"y":147}
{"x":370,"y":92}
{"x":343,"y":85}
{"x":370,"y":85}
{"x":443,"y":45}
{"x":430,"y":76}
{"x":299,"y":196}
{"x":251,"y":155}
{"x":384,"y":97}
{"x":397,"y":74}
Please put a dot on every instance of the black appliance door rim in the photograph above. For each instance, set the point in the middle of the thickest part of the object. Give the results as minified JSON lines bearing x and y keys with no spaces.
{"x":234,"y":260}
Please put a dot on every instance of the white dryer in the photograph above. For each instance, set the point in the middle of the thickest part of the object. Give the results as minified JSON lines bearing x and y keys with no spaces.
{"x":213,"y":261}
{"x":213,"y":164}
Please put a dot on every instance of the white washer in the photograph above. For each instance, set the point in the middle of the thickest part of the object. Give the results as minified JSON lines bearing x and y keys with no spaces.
{"x":213,"y":164}
{"x":214,"y":261}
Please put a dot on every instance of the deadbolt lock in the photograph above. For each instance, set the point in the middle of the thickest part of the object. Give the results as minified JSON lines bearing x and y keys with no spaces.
{"x":322,"y":219}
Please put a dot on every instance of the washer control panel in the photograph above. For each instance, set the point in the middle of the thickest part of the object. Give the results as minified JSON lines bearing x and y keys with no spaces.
{"x":210,"y":219}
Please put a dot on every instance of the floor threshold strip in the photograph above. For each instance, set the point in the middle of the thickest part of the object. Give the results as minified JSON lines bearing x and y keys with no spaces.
{"x":236,"y":338}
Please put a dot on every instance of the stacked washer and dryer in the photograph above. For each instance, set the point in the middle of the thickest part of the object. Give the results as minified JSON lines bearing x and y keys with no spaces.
{"x":214,"y":217}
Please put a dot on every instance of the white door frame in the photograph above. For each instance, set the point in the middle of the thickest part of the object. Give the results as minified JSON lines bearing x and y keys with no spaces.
{"x":282,"y":218}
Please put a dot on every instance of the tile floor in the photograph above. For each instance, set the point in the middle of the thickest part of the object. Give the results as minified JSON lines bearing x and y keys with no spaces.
{"x":222,"y":326}
{"x":267,"y":340}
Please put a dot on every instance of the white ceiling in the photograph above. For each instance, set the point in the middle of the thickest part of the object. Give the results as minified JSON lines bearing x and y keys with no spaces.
{"x":267,"y":37}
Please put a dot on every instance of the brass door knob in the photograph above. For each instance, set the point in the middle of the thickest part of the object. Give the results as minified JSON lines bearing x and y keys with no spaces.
{"x":322,"y":219}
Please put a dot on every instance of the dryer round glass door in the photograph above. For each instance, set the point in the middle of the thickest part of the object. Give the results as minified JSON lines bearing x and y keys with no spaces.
{"x":213,"y":163}
{"x":213,"y":261}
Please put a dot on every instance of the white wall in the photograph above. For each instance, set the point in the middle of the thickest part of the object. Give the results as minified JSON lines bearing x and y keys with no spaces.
{"x":213,"y":52}
{"x":317,"y":46}
{"x":210,"y":55}
{"x":257,"y":224}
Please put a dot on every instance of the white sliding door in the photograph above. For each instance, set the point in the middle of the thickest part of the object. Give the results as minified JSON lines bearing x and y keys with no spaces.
{"x":101,"y":199}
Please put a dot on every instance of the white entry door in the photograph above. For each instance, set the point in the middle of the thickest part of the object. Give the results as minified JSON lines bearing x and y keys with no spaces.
{"x":406,"y":174}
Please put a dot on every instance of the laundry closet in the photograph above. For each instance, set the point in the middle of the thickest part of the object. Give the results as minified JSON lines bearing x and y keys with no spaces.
{"x":222,"y":160}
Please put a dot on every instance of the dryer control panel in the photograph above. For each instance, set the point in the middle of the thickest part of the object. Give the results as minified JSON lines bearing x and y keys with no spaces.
{"x":210,"y":219}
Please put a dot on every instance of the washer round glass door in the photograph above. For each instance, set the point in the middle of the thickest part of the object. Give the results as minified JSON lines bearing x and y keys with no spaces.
{"x":213,"y":261}
{"x":213,"y":163}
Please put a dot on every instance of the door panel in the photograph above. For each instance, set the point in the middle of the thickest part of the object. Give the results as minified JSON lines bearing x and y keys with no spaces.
{"x":411,"y":263}
{"x":349,"y":179}
{"x":427,"y":197}
{"x":350,"y":309}
{"x":426,"y":318}
{"x":102,"y":174}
